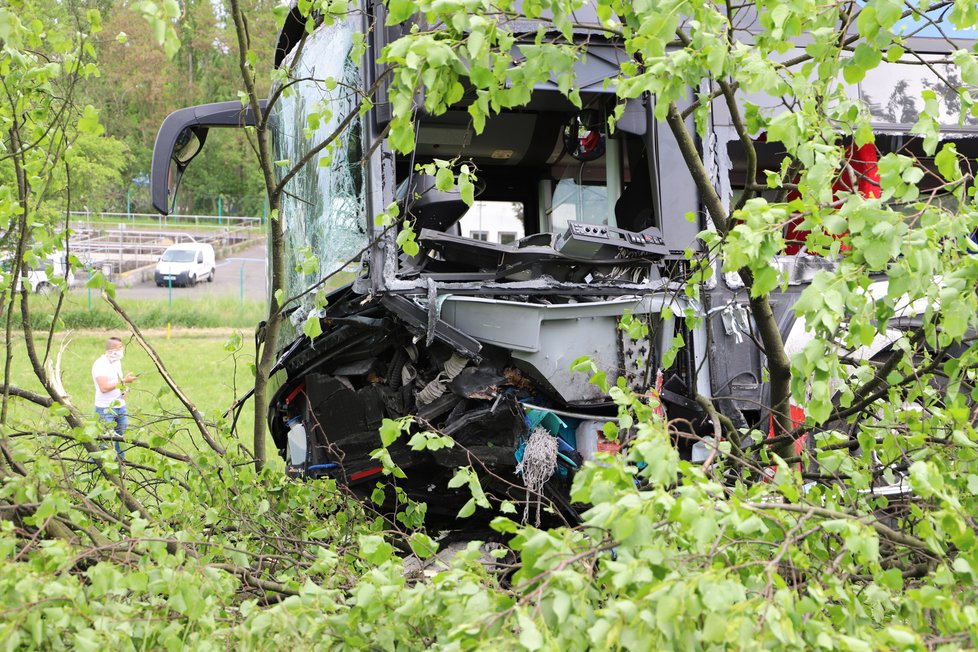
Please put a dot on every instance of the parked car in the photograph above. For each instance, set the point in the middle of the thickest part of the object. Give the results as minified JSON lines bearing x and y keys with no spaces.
{"x":185,"y":264}
{"x":44,"y":275}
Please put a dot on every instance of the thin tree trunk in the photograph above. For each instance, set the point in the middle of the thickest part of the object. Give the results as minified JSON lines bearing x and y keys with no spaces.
{"x":269,"y":337}
{"x":779,"y":366}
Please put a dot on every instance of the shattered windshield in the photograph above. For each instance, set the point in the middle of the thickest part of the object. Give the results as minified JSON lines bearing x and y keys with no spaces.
{"x":323,"y":207}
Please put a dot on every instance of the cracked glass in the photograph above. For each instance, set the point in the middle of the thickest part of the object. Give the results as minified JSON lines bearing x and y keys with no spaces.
{"x":323,"y":208}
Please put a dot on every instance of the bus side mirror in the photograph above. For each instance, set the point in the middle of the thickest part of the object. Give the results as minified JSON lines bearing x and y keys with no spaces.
{"x":181,"y":138}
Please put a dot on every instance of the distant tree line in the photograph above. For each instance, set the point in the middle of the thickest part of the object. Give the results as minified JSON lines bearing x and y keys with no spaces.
{"x":139,"y":86}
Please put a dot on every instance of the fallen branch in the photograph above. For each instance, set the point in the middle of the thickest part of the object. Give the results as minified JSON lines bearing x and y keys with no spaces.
{"x":28,"y":395}
{"x":114,"y":439}
{"x":887,"y":533}
{"x":255,"y":582}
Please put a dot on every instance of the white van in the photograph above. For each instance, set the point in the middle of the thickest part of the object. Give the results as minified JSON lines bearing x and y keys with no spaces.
{"x":42,"y":282}
{"x":185,"y":264}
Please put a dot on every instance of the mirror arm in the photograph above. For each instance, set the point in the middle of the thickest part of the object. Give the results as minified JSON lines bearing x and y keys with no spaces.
{"x":199,"y":119}
{"x":178,"y":176}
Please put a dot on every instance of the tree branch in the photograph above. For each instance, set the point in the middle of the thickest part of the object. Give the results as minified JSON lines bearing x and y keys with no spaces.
{"x":195,"y":414}
{"x":888,"y":533}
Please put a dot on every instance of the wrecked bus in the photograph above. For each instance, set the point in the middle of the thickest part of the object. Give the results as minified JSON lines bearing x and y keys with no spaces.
{"x":573,"y":227}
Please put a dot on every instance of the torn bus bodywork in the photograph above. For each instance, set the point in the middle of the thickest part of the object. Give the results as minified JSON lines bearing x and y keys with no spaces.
{"x":476,"y":334}
{"x":573,"y":229}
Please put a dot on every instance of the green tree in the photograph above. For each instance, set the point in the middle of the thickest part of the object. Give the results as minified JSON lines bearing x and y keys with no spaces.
{"x":41,"y":121}
{"x":96,"y":166}
{"x":139,"y":85}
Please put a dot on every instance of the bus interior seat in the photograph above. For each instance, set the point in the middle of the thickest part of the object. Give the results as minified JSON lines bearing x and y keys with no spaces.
{"x":633,"y":210}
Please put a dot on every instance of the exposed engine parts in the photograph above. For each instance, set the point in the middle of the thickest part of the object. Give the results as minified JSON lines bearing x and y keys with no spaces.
{"x":518,"y":415}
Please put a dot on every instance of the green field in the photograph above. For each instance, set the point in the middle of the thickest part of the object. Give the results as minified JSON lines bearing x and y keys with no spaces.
{"x":85,"y":309}
{"x":198,"y":360}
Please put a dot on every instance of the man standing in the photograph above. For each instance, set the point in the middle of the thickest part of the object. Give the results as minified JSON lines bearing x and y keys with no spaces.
{"x":111,"y":389}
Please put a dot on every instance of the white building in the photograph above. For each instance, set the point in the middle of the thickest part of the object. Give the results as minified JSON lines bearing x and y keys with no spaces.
{"x":493,"y":221}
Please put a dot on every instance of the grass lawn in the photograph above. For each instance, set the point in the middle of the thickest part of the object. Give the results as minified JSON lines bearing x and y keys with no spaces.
{"x":198,"y":360}
{"x":84,"y":309}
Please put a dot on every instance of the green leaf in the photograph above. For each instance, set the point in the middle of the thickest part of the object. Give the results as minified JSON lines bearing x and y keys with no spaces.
{"x":751,"y":525}
{"x":378,"y":495}
{"x":928,"y":124}
{"x":406,"y":239}
{"x":466,"y":189}
{"x":583,"y":365}
{"x":530,"y":636}
{"x":422,"y":545}
{"x":895,"y":53}
{"x":431,"y":441}
{"x":391,"y":429}
{"x":925,"y":479}
{"x":375,"y":549}
{"x":233,"y":343}
{"x":468,"y":509}
{"x":787,"y":128}
{"x":460,"y":478}
{"x":504,"y":525}
{"x":89,"y":122}
{"x":444,"y":179}
{"x":399,"y":10}
{"x":968,"y":65}
{"x":312,"y":327}
{"x":947,"y":162}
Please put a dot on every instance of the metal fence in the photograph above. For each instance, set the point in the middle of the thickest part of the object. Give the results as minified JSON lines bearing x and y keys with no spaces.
{"x":122,"y":246}
{"x":91,"y":219}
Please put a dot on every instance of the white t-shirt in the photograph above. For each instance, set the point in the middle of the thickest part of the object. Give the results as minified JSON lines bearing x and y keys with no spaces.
{"x":112,"y":371}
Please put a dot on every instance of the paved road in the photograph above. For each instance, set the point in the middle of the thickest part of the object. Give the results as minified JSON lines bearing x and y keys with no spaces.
{"x":242,"y":271}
